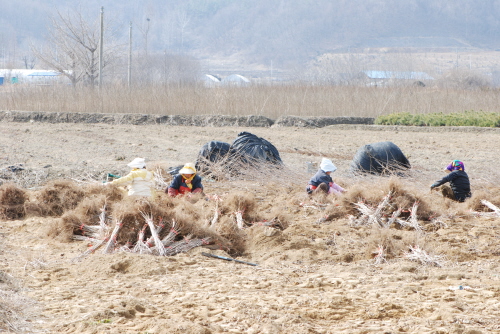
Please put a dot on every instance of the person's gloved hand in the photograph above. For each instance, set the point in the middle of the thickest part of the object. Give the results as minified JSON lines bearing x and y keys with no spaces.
{"x":433,"y":186}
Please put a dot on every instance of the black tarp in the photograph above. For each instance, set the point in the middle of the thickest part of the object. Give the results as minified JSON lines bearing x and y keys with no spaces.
{"x":379,"y":158}
{"x":174,"y":170}
{"x":210,"y":153}
{"x":248,"y":148}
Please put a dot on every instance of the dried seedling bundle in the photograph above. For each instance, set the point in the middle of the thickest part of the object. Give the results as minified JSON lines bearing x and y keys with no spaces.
{"x":12,"y":200}
{"x":188,"y":222}
{"x":490,"y":193}
{"x":365,"y":203}
{"x":75,"y":224}
{"x":495,"y":210}
{"x":386,"y":243}
{"x":236,"y":237}
{"x":147,"y":226}
{"x":129,"y":212}
{"x":110,"y":245}
{"x":185,"y":245}
{"x":85,"y":220}
{"x":154,"y":233}
{"x":241,"y":205}
{"x":415,"y":253}
{"x":111,"y":192}
{"x":58,"y":196}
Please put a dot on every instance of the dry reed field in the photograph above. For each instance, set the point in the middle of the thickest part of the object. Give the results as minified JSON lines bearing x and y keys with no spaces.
{"x":388,"y":256}
{"x":270,"y":101}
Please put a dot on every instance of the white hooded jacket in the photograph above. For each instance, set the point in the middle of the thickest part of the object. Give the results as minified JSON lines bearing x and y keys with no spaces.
{"x":140,"y":182}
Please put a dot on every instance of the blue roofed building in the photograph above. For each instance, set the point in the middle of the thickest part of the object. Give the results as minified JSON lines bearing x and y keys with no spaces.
{"x":385,"y":78}
{"x":43,"y":77}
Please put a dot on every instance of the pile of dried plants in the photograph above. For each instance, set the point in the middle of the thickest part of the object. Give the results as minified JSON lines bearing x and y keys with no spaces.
{"x":12,"y":201}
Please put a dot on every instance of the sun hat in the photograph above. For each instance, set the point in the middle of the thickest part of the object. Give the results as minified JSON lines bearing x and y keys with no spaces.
{"x":327,"y":165}
{"x":188,"y":169}
{"x":455,"y":165}
{"x":137,"y":163}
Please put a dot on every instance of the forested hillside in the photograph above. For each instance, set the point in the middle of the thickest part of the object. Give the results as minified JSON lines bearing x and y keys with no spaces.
{"x":262,"y":31}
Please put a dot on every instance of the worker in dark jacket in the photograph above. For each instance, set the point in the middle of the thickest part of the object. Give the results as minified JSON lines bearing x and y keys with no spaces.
{"x":186,"y":182}
{"x":459,"y":189}
{"x":322,"y":180}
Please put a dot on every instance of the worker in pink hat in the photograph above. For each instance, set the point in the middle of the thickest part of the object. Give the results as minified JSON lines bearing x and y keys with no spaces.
{"x":459,"y":188}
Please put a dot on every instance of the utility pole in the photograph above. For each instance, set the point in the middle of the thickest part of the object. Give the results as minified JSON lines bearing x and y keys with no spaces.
{"x":101,"y":42}
{"x":146,"y":35}
{"x":272,"y":78}
{"x":129,"y":78}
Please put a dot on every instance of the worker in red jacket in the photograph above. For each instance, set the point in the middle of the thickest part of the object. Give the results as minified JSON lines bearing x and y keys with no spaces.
{"x":186,"y":182}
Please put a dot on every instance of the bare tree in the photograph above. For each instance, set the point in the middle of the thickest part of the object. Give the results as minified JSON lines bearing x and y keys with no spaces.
{"x":29,"y":61}
{"x":182,"y":21}
{"x":73,"y":48}
{"x":335,"y":69}
{"x":168,"y":69}
{"x":144,"y":61}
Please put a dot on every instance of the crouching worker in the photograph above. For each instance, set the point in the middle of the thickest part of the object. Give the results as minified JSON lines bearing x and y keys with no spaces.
{"x":459,"y":189}
{"x":186,"y":182}
{"x":322,"y":181}
{"x":140,"y":181}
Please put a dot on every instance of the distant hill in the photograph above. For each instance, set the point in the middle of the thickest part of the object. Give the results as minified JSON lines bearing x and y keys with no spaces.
{"x":281,"y":33}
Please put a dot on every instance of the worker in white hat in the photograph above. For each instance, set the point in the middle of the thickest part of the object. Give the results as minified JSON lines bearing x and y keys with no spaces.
{"x":140,"y":181}
{"x":186,"y":182}
{"x":322,"y":181}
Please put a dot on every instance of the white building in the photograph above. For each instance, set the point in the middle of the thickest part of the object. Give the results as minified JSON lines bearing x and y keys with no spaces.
{"x":36,"y":77}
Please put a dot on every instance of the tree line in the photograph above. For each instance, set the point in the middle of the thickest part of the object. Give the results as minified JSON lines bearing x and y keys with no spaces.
{"x":281,"y":32}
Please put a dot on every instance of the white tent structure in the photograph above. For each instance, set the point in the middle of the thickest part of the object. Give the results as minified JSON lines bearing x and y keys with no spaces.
{"x":235,"y":79}
{"x":211,"y":80}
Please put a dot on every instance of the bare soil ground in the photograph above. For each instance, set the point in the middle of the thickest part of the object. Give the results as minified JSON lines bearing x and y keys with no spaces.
{"x":319,"y":275}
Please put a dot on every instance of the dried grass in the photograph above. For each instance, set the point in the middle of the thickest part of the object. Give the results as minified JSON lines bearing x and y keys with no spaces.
{"x":228,"y":229}
{"x":58,"y":196}
{"x":129,"y":213}
{"x":270,"y":204}
{"x":371,"y":194}
{"x":393,"y":242}
{"x":279,"y":217}
{"x":190,"y":223}
{"x":111,"y":192}
{"x":76,"y":221}
{"x":63,"y":228}
{"x":91,"y":208}
{"x":12,"y":201}
{"x":14,"y":307}
{"x":418,"y":254}
{"x":239,"y":201}
{"x":268,"y":100}
{"x":492,"y":194}
{"x":86,"y":218}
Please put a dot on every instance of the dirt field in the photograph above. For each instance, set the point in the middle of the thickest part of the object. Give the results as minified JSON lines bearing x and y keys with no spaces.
{"x":316,"y":276}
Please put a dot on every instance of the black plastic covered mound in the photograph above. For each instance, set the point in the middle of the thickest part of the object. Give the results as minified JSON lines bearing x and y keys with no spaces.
{"x":379,"y":158}
{"x":174,"y":170}
{"x":248,"y":148}
{"x":212,"y":152}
